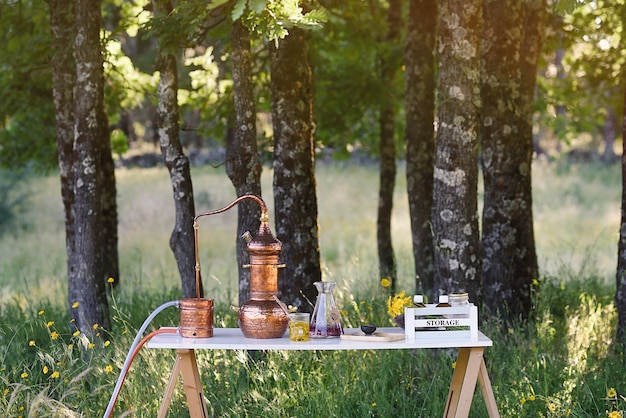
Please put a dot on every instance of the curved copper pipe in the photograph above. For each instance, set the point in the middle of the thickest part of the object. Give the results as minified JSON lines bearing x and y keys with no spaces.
{"x":264,"y":218}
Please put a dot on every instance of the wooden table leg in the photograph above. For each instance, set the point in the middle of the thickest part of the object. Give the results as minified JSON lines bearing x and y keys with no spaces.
{"x":470,"y":367}
{"x":485,"y":387}
{"x":169,"y":390}
{"x":186,"y":364}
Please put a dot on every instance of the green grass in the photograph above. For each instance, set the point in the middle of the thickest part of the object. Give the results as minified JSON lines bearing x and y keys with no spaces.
{"x":563,"y":363}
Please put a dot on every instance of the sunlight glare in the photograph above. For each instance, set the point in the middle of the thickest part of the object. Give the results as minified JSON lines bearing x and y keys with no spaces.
{"x":604,"y":44}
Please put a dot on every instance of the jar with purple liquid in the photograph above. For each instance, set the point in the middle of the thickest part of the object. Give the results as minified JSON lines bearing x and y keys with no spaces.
{"x":326,"y":318}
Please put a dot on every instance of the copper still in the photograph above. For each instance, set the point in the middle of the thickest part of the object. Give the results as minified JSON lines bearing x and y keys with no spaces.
{"x":263,"y":316}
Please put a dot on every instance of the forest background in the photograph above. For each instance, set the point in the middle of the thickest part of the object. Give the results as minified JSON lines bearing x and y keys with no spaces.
{"x":581,"y":52}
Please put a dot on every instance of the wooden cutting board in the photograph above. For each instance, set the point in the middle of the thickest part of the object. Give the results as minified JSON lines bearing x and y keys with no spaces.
{"x":376,"y":336}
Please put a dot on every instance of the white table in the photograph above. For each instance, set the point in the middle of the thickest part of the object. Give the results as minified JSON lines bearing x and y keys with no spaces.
{"x":470,"y":365}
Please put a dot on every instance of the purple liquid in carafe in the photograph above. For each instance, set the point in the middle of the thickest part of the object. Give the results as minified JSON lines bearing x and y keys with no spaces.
{"x":326,"y":318}
{"x":333,"y":330}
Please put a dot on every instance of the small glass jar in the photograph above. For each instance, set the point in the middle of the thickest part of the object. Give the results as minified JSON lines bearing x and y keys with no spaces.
{"x":299,"y":326}
{"x":458,"y":299}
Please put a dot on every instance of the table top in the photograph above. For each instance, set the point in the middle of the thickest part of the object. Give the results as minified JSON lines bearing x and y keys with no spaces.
{"x":233,"y":339}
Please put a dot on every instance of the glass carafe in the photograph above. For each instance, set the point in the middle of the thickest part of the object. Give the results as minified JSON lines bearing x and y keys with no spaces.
{"x":326,"y":318}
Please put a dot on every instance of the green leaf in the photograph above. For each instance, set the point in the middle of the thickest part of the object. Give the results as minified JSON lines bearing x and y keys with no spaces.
{"x":217,"y":3}
{"x":565,"y":6}
{"x":238,"y":10}
{"x":257,"y":6}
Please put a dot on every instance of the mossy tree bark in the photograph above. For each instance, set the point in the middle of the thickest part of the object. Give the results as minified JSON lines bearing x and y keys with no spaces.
{"x":242,"y":160}
{"x":295,"y":196}
{"x":182,"y":237}
{"x":420,"y":135}
{"x":86,"y":279}
{"x":455,"y":221}
{"x":509,"y":257}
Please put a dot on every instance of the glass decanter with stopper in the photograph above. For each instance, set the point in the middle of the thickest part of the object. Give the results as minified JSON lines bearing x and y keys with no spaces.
{"x":326,"y":318}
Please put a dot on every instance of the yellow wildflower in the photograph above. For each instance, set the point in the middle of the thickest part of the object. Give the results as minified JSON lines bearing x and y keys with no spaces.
{"x":41,"y":312}
{"x":70,"y":346}
{"x":54,"y":375}
{"x":110,"y":280}
{"x":523,"y":400}
{"x":531,"y":398}
{"x":552,"y":407}
{"x":373,"y":404}
{"x":45,"y":370}
{"x":50,"y":323}
{"x":611,"y":393}
{"x":107,"y":343}
{"x":75,"y":305}
{"x":24,"y":375}
{"x":385,"y":282}
{"x":397,"y":303}
{"x":76,"y":333}
{"x":614,"y":414}
{"x":54,"y":335}
{"x":108,"y":368}
{"x":31,"y":343}
{"x":90,"y":345}
{"x":95,"y":327}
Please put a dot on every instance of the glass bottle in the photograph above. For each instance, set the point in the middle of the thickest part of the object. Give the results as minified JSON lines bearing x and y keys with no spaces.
{"x":418,"y":301}
{"x":443,"y":302}
{"x":326,"y":318}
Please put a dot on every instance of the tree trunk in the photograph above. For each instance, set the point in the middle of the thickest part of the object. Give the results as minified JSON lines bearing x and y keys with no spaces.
{"x":87,"y":286}
{"x":509,"y":260}
{"x":182,"y":237}
{"x":534,"y":34}
{"x":387,"y":120}
{"x":420,"y":135}
{"x":110,"y":259}
{"x":560,"y":110}
{"x":620,"y":295}
{"x":295,"y":198}
{"x":609,"y":132}
{"x":242,"y":160}
{"x":454,"y":217}
{"x":63,"y":82}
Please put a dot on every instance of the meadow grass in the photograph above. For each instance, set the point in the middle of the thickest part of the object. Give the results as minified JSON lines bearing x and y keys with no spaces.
{"x":564,"y":363}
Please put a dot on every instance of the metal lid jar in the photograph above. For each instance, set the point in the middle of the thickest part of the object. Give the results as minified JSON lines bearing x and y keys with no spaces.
{"x":458,"y":299}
